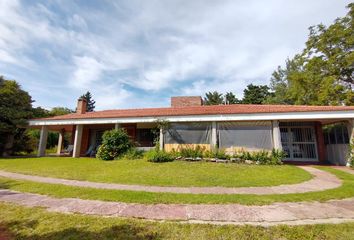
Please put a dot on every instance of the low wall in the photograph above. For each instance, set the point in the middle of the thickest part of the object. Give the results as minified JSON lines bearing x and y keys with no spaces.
{"x":170,"y":147}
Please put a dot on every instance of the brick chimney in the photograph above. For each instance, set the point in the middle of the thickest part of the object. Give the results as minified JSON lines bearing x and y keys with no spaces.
{"x":186,"y":101}
{"x":81,"y":106}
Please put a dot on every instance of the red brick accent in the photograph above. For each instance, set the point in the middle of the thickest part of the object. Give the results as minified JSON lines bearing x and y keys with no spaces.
{"x":85,"y":140}
{"x":186,"y":101}
{"x":321,"y":147}
{"x":81,"y":106}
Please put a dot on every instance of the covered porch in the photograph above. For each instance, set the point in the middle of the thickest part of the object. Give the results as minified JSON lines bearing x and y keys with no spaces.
{"x":324,"y":140}
{"x":84,"y":139}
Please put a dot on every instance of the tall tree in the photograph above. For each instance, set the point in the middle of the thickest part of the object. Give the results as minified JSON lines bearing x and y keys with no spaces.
{"x":323,"y":73}
{"x":90,"y":107}
{"x":255,"y":94}
{"x":230,"y":98}
{"x":213,"y":98}
{"x":15,"y":109}
{"x":56,"y":111}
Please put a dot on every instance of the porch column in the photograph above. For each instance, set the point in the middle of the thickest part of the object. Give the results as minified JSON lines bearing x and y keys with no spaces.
{"x":321,"y":147}
{"x":116,"y":126}
{"x":42,"y":141}
{"x":350,"y":127}
{"x":276,"y":135}
{"x":77,"y":140}
{"x":161,"y":139}
{"x":60,"y":141}
{"x":213,"y":136}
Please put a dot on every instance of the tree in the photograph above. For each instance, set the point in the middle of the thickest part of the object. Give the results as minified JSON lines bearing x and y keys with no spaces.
{"x":255,"y":94}
{"x":56,"y":111}
{"x":323,"y":73}
{"x":213,"y":98}
{"x":90,"y":107}
{"x":230,"y":98}
{"x":15,"y":109}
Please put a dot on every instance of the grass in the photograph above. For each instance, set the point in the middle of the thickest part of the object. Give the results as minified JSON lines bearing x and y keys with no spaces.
{"x":141,"y":172}
{"x":35,"y":223}
{"x":61,"y":191}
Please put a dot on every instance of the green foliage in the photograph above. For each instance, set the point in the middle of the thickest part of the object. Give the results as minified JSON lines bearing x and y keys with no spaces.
{"x":132,"y":154}
{"x":159,"y":156}
{"x":90,"y":107}
{"x":322,"y":74}
{"x":262,"y":157}
{"x":216,"y":153}
{"x":255,"y":94}
{"x":190,"y":152}
{"x":15,"y":109}
{"x":230,"y":98}
{"x":56,"y":111}
{"x":114,"y":143}
{"x":213,"y":98}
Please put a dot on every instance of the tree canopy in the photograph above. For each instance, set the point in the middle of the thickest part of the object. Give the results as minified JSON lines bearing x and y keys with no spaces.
{"x":15,"y":109}
{"x":90,"y":107}
{"x":230,"y":98}
{"x":323,"y":73}
{"x":255,"y":94}
{"x":213,"y":98}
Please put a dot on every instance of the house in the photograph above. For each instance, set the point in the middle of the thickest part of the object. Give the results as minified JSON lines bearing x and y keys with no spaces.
{"x":305,"y":133}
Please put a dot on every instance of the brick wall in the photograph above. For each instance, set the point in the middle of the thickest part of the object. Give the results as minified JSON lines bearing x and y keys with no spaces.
{"x":186,"y":101}
{"x":321,"y":147}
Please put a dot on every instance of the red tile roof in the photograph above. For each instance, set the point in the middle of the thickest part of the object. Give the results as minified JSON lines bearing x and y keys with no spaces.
{"x":201,"y":110}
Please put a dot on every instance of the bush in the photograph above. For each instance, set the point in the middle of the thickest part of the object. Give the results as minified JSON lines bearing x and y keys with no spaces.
{"x":216,"y":153}
{"x":132,"y":154}
{"x":159,"y":156}
{"x":263,"y":157}
{"x":191,"y":152}
{"x":114,"y":143}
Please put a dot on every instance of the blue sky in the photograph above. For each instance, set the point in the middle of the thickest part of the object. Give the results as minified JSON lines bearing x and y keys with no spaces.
{"x":139,"y":53}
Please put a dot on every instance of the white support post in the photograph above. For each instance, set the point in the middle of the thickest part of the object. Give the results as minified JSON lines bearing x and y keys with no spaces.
{"x":276,"y":135}
{"x":213,"y":136}
{"x":161,"y":139}
{"x":42,"y":141}
{"x":350,"y":127}
{"x":77,"y":140}
{"x":116,"y":126}
{"x":60,"y":142}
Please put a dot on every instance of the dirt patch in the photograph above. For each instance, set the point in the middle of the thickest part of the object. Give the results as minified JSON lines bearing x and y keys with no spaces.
{"x":4,"y":233}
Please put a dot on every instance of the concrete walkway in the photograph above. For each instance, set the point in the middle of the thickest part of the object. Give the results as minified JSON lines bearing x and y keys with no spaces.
{"x":321,"y":180}
{"x":334,"y":211}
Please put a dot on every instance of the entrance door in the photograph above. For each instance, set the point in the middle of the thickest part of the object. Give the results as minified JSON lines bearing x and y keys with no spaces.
{"x":299,"y":143}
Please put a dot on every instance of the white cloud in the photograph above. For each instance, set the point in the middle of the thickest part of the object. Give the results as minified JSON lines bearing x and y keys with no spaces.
{"x":149,"y":49}
{"x":88,"y":70}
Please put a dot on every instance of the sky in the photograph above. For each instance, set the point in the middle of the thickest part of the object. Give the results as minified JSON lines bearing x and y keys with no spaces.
{"x":134,"y":54}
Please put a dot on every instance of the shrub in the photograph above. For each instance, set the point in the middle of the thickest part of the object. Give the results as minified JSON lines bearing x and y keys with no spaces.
{"x":132,"y":154}
{"x":191,"y":152}
{"x":159,"y":156}
{"x":216,"y":153}
{"x":263,"y":157}
{"x":114,"y":143}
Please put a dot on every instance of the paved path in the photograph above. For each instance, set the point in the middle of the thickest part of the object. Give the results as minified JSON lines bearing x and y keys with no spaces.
{"x":321,"y":181}
{"x":334,"y":211}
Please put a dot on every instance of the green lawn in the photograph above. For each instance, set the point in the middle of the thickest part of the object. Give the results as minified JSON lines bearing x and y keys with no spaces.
{"x":60,"y":191}
{"x":35,"y":223}
{"x":141,"y":172}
